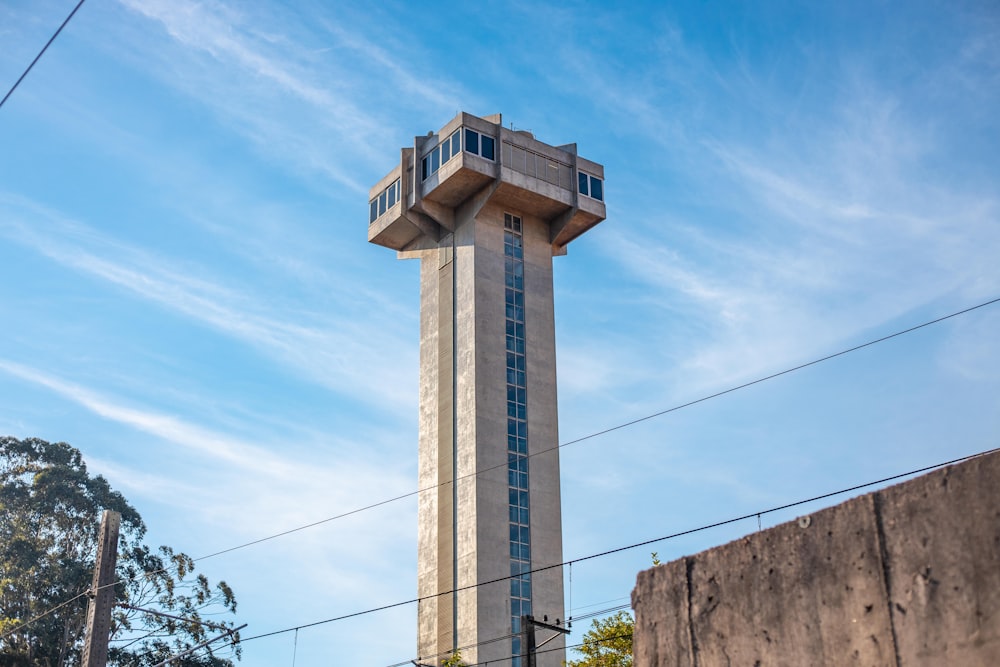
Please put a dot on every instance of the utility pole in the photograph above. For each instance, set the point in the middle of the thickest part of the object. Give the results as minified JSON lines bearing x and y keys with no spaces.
{"x":102,"y":593}
{"x":527,"y":642}
{"x":528,"y":647}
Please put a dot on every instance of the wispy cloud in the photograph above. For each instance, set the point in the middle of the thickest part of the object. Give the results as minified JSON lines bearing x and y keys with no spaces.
{"x":311,"y":92}
{"x":970,"y":350}
{"x":215,"y":57}
{"x":166,"y":427}
{"x":433,"y":89}
{"x":341,"y":354}
{"x":300,"y":486}
{"x":831,"y":221}
{"x":231,"y":491}
{"x":763,"y":305}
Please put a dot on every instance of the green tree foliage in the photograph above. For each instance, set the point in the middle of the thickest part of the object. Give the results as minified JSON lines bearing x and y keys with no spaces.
{"x":50,"y":509}
{"x":608,"y":643}
{"x":454,"y":661}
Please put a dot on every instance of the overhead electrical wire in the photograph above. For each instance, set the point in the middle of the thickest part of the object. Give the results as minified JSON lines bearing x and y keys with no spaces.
{"x":780,"y":373}
{"x":545,"y":451}
{"x":40,"y":53}
{"x":600,"y":612}
{"x":479,"y":472}
{"x":538,"y":453}
{"x":52,"y":610}
{"x":500,"y":639}
{"x":628,"y":547}
{"x":573,"y":617}
{"x":604,"y":431}
{"x":495,"y":662}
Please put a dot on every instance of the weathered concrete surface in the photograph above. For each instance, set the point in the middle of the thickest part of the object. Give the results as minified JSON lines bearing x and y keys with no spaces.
{"x":942,"y":536}
{"x":662,"y":634}
{"x":905,"y":576}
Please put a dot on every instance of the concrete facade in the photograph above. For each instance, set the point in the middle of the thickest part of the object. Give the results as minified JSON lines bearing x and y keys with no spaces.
{"x":452,"y":204}
{"x":907,"y":576}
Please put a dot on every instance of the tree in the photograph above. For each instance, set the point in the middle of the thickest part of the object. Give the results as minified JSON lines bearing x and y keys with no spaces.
{"x":608,"y":643}
{"x":50,"y":510}
{"x":454,"y":661}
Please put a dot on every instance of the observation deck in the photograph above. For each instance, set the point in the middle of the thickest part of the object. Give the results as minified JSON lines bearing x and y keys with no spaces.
{"x":477,"y":159}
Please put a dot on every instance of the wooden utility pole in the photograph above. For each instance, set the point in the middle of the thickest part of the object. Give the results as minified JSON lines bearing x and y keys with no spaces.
{"x":102,"y":593}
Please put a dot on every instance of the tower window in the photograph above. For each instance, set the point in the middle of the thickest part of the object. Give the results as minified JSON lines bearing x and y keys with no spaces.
{"x":472,"y":141}
{"x":480,"y":144}
{"x":487,"y":146}
{"x":456,"y":143}
{"x":440,"y":154}
{"x":591,"y":186}
{"x":445,"y":150}
{"x":475,"y":143}
{"x":383,"y":202}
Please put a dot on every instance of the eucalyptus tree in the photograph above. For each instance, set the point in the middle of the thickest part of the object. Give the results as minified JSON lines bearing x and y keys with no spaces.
{"x":50,"y":509}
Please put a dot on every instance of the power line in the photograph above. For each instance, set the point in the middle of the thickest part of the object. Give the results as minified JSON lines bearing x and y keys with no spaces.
{"x":573,"y":617}
{"x":780,"y":373}
{"x":52,"y":610}
{"x":602,"y":640}
{"x":459,"y":649}
{"x":44,"y":48}
{"x":505,"y":637}
{"x":550,"y":449}
{"x":636,"y":545}
{"x":627,"y":635}
{"x":93,"y":591}
{"x":592,"y":614}
{"x":500,"y":661}
{"x":329,"y":519}
{"x":605,"y":431}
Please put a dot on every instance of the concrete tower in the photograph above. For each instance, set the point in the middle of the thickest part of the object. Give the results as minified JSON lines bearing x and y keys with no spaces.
{"x":485,"y":209}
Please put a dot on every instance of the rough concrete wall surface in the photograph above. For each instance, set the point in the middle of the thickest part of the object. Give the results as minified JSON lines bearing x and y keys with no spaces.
{"x":906,"y":576}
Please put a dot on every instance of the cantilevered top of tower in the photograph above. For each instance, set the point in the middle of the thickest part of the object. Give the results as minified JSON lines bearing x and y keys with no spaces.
{"x":477,"y":159}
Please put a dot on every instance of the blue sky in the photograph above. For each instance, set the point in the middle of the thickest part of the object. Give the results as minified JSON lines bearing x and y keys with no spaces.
{"x":187,"y":294}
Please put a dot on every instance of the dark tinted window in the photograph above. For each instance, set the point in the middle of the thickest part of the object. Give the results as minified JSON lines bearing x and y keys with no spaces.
{"x":596,"y":188}
{"x":487,"y":151}
{"x":472,"y":141}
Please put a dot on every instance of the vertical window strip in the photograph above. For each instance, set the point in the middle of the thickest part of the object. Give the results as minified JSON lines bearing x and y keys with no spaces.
{"x":517,"y":432}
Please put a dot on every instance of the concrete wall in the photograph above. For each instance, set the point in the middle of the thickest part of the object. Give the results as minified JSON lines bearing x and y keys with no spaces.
{"x":907,"y":576}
